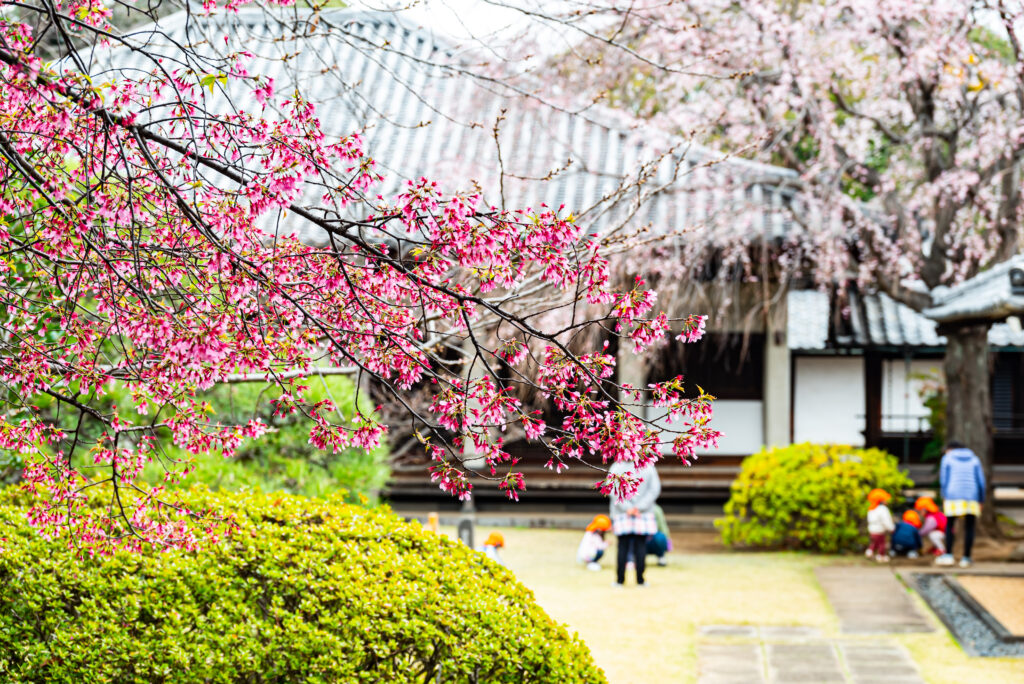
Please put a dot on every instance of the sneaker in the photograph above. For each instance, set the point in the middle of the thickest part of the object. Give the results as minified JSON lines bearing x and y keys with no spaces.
{"x":593,"y":566}
{"x":882,"y":559}
{"x":966,"y":562}
{"x":870,"y":553}
{"x":945,"y":559}
{"x":662,"y":561}
{"x":616,"y":585}
{"x":913,"y":554}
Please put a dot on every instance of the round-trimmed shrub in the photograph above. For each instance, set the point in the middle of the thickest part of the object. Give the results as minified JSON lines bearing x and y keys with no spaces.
{"x":808,"y":496}
{"x":306,"y":590}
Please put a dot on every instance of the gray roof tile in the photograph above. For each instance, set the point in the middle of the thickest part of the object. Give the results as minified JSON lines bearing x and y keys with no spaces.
{"x":884,"y":323}
{"x":371,"y":72}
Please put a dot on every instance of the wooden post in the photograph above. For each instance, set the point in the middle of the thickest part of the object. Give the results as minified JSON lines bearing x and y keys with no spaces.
{"x":778,"y":375}
{"x":872,"y":398}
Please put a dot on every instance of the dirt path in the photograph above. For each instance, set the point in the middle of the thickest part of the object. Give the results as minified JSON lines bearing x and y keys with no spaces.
{"x":1001,"y":596}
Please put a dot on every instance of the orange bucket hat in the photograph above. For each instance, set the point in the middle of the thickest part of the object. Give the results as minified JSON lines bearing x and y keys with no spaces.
{"x":912,"y":518}
{"x":600,"y":523}
{"x":878,"y":496}
{"x":926,"y":503}
{"x":495,"y":539}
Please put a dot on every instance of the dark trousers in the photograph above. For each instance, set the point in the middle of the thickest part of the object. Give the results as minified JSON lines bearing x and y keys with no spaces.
{"x":878,"y":545}
{"x":968,"y":533}
{"x":635,"y":546}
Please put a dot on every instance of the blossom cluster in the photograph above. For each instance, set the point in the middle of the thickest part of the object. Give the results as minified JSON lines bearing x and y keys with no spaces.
{"x":900,"y":124}
{"x":140,"y":253}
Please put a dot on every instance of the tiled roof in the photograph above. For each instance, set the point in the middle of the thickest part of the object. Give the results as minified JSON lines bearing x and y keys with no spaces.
{"x":872,"y":320}
{"x":987,"y":295}
{"x":423,"y":114}
{"x":879,"y":321}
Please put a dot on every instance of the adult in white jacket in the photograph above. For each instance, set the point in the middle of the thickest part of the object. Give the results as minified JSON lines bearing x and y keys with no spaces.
{"x":633,"y":519}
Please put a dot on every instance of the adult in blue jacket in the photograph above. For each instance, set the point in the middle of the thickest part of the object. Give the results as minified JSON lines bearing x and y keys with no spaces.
{"x":963,"y":491}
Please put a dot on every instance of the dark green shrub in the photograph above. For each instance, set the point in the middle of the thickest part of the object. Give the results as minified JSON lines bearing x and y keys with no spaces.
{"x":283,"y":459}
{"x":808,"y":496}
{"x":933,"y":397}
{"x":304,"y":590}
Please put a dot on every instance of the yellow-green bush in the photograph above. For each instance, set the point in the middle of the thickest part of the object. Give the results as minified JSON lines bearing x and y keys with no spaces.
{"x":305,"y":590}
{"x":808,"y":496}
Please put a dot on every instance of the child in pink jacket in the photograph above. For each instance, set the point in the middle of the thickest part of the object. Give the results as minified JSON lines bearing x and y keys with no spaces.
{"x":934,"y":527}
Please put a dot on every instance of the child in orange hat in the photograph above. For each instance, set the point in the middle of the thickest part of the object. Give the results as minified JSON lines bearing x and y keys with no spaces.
{"x":494,"y":541}
{"x":906,"y":538}
{"x":934,"y":526}
{"x":880,"y":524}
{"x":593,"y":544}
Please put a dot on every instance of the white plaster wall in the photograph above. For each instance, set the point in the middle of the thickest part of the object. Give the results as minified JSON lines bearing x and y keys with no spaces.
{"x":741,"y":423}
{"x":829,"y":400}
{"x":902,"y":409}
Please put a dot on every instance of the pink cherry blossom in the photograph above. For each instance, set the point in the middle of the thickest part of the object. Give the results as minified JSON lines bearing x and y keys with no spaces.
{"x":141,"y":255}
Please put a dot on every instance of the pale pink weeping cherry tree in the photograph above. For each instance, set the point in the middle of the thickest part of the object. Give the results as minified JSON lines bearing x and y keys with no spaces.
{"x":904,"y":120}
{"x":133,"y":256}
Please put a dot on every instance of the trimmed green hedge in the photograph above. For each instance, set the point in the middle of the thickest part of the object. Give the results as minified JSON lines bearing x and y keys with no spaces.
{"x":305,"y":590}
{"x":808,"y":496}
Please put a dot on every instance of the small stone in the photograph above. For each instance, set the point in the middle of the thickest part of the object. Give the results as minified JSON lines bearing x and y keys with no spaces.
{"x":1017,"y":555}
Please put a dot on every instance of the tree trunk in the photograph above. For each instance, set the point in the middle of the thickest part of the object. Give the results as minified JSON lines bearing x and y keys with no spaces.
{"x":969,"y":401}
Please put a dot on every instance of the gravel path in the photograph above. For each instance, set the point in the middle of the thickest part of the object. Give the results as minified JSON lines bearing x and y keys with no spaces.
{"x":973,"y":634}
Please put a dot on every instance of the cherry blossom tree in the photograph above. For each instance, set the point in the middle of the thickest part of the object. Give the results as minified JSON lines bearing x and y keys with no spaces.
{"x":138,"y":263}
{"x":904,"y":120}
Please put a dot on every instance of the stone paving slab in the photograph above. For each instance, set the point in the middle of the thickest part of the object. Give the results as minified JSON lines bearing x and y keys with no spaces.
{"x":870,"y":600}
{"x":730,"y":663}
{"x":793,"y":659}
{"x":743,"y":631}
{"x":782,"y":633}
{"x":811,"y":662}
{"x":764,"y":632}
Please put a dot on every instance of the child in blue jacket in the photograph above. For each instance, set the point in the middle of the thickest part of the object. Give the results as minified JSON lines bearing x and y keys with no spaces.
{"x":906,"y":538}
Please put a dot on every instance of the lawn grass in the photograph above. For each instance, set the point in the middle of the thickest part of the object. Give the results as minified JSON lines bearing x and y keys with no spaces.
{"x":649,"y":635}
